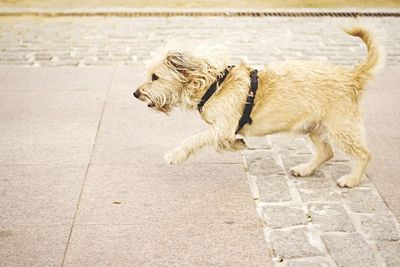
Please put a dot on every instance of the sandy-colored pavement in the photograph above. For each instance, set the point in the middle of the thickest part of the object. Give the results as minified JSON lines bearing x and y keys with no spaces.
{"x":382,"y":117}
{"x":83,"y":182}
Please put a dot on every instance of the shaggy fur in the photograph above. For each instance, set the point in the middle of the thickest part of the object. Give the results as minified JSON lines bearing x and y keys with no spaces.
{"x":320,"y":100}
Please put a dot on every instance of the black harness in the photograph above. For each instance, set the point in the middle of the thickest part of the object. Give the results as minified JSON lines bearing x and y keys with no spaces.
{"x":249,"y":101}
{"x":211,"y":90}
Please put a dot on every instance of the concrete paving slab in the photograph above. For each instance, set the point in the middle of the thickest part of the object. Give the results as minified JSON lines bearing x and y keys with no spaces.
{"x":34,"y":106}
{"x":39,"y":194}
{"x":33,"y":245}
{"x":167,"y":244}
{"x":54,"y":79}
{"x":126,"y":194}
{"x":382,"y":116}
{"x":46,"y":143}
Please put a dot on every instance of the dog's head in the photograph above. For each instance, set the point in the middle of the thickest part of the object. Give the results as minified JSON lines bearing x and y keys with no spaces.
{"x":175,"y":77}
{"x":166,"y":81}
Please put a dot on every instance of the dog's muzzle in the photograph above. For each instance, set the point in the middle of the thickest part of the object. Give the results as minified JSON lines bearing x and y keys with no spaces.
{"x":137,"y":95}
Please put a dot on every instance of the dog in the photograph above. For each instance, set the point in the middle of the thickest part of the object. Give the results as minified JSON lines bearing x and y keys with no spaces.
{"x":309,"y":98}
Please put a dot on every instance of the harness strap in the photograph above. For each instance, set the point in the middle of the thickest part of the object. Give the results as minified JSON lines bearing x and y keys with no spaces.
{"x":249,"y":101}
{"x":214,"y":86}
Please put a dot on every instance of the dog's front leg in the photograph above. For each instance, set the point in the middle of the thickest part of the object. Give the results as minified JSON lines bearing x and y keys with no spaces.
{"x":188,"y":147}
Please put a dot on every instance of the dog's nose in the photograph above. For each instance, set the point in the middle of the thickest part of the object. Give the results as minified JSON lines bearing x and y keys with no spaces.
{"x":136,"y":94}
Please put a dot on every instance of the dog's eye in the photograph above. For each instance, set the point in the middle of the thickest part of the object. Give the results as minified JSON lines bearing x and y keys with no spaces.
{"x":154,"y":77}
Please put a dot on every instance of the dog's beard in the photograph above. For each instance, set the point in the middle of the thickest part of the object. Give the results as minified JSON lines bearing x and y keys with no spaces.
{"x":158,"y":103}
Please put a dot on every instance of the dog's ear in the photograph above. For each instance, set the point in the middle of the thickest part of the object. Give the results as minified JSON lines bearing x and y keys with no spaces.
{"x":181,"y":62}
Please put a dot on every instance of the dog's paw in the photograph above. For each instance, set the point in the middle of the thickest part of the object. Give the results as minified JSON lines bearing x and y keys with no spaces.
{"x":239,"y":144}
{"x":175,"y":157}
{"x":301,"y":170}
{"x":347,"y":181}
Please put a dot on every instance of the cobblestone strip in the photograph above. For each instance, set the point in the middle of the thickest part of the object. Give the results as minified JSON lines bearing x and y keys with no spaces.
{"x":309,"y":221}
{"x":105,"y":41}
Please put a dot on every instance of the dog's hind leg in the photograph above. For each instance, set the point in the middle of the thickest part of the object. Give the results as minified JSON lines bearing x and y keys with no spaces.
{"x":323,"y":152}
{"x":346,"y":134}
{"x":351,"y":143}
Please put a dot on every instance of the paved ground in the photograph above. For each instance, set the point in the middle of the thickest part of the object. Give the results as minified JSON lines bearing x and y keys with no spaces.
{"x":126,"y":41}
{"x":83,"y":181}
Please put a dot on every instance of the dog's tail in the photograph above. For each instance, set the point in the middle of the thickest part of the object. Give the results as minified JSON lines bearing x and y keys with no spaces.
{"x":365,"y":70}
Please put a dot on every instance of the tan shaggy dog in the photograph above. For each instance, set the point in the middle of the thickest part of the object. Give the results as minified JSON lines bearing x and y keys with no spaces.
{"x":317,"y":99}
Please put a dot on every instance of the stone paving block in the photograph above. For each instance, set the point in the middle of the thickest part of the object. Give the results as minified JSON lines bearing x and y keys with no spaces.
{"x":364,"y":200}
{"x":273,"y":189}
{"x":294,"y":243}
{"x":64,"y":63}
{"x":167,"y":244}
{"x":258,"y":142}
{"x":317,"y":190}
{"x":280,"y":216}
{"x":349,"y":250}
{"x":255,"y":156}
{"x":330,"y":217}
{"x":251,"y":181}
{"x":263,"y":163}
{"x":43,"y":56}
{"x":290,"y":144}
{"x":16,"y":63}
{"x":390,"y":251}
{"x":33,"y":245}
{"x":292,"y":160}
{"x":39,"y":194}
{"x":337,"y":170}
{"x":381,"y":228}
{"x":340,"y":157}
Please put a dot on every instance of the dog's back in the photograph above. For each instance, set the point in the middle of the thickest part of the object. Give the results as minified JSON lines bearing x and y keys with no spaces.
{"x":313,"y":89}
